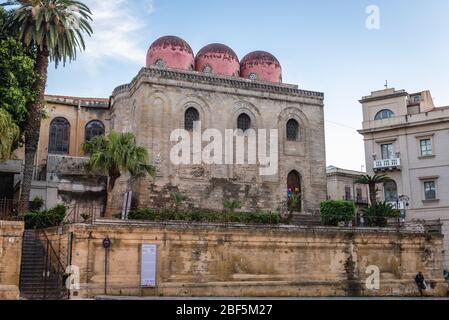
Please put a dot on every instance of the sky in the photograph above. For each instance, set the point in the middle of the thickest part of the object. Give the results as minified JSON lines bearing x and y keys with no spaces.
{"x":323,"y":45}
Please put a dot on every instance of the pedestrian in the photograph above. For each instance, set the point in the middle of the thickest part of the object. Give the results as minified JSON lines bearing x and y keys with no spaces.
{"x":421,"y":283}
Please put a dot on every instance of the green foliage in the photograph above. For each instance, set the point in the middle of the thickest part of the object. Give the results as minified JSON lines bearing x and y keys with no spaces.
{"x":210,"y":217}
{"x":333,"y":212}
{"x":377,"y":215}
{"x":293,"y":202}
{"x":372,"y":182}
{"x":178,"y":198}
{"x":113,"y":154}
{"x":37,"y":204}
{"x":56,"y":26}
{"x":231,"y":205}
{"x":9,"y":135}
{"x":45,"y":219}
{"x":17,"y":75}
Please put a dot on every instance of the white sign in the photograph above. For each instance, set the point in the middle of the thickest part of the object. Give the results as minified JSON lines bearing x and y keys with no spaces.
{"x":148,"y":266}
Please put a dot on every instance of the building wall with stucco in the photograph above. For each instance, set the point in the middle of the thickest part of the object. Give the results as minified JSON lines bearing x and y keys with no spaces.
{"x":413,"y":118}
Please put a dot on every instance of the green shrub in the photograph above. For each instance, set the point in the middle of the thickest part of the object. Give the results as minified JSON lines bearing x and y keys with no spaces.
{"x":45,"y":219}
{"x":333,"y":212}
{"x":377,"y":215}
{"x":142,"y":214}
{"x":37,"y":204}
{"x":199,"y":216}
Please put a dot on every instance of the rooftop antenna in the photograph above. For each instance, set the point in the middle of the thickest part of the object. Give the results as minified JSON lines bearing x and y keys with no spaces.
{"x":386,"y":84}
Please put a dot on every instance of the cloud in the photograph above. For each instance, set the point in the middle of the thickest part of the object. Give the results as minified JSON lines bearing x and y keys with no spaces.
{"x":118,"y":30}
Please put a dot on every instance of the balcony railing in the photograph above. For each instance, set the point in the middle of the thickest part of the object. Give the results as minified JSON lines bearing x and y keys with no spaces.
{"x":397,"y":205}
{"x":357,"y":200}
{"x":387,"y":164}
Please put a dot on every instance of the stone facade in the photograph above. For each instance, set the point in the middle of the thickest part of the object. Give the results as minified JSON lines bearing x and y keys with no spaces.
{"x":154,"y":104}
{"x":252,"y":261}
{"x":11,"y":234}
{"x":56,"y":178}
{"x":406,"y":138}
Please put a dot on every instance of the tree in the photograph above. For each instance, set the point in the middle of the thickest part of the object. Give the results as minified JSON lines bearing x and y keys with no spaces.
{"x":372,"y":182}
{"x":178,"y":198}
{"x":231,"y":205}
{"x":115,"y":155}
{"x":377,"y":215}
{"x":9,"y":134}
{"x":54,"y":30}
{"x":16,"y":78}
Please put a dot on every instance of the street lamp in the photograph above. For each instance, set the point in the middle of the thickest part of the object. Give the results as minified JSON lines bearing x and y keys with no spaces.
{"x":405,"y":201}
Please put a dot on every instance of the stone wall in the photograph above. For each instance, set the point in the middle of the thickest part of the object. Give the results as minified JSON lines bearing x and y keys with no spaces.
{"x":11,"y":234}
{"x":154,"y":105}
{"x":218,"y":260}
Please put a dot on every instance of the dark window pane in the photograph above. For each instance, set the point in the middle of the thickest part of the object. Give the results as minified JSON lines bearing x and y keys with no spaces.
{"x":430,"y":190}
{"x":292,"y":130}
{"x":192,"y":115}
{"x":94,"y":129}
{"x":59,"y":136}
{"x":244,"y":122}
{"x":384,"y":114}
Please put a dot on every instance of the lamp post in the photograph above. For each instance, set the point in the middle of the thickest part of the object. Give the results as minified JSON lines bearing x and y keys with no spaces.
{"x":405,"y":201}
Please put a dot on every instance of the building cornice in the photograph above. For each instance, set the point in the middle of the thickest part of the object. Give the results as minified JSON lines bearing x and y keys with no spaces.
{"x":222,"y":81}
{"x":404,"y":125}
{"x":384,"y":97}
{"x":100,"y":103}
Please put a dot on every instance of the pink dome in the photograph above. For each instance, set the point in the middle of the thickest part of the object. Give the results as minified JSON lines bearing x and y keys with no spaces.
{"x":262,"y":66}
{"x":171,"y":52}
{"x":219,"y":59}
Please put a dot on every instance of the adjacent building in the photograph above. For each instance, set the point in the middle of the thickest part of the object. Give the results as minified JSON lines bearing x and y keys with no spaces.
{"x":341,"y":186}
{"x":407,"y":138}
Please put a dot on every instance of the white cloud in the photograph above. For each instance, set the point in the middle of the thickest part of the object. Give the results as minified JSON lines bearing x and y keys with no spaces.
{"x":118,"y":31}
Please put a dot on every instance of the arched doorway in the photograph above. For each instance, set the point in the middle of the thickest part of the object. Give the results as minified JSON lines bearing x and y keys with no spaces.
{"x":294,"y":190}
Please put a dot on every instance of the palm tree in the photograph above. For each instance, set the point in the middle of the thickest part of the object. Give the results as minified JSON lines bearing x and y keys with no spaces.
{"x":113,"y":155}
{"x":231,"y":205}
{"x":9,"y":134}
{"x":178,"y":198}
{"x":372,"y":182}
{"x":54,"y":30}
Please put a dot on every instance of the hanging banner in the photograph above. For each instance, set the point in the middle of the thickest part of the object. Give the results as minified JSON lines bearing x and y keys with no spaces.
{"x":148,"y":266}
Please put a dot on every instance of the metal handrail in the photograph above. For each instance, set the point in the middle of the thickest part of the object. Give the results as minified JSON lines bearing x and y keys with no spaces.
{"x":61,"y":265}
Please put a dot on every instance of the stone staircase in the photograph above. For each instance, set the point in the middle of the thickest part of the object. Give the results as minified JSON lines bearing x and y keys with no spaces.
{"x":306,"y":220}
{"x":35,"y":282}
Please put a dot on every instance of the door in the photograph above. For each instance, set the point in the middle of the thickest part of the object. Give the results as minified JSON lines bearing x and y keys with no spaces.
{"x":294,"y":190}
{"x":6,"y":186}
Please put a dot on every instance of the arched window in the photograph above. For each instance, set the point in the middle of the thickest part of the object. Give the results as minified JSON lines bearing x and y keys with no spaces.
{"x":93,"y":129}
{"x":384,"y":114}
{"x":191,"y":115}
{"x":244,"y":122}
{"x":59,"y":136}
{"x":292,"y":130}
{"x":391,"y":191}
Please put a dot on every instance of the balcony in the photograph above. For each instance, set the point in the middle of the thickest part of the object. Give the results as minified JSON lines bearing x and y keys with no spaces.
{"x":387,"y":165}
